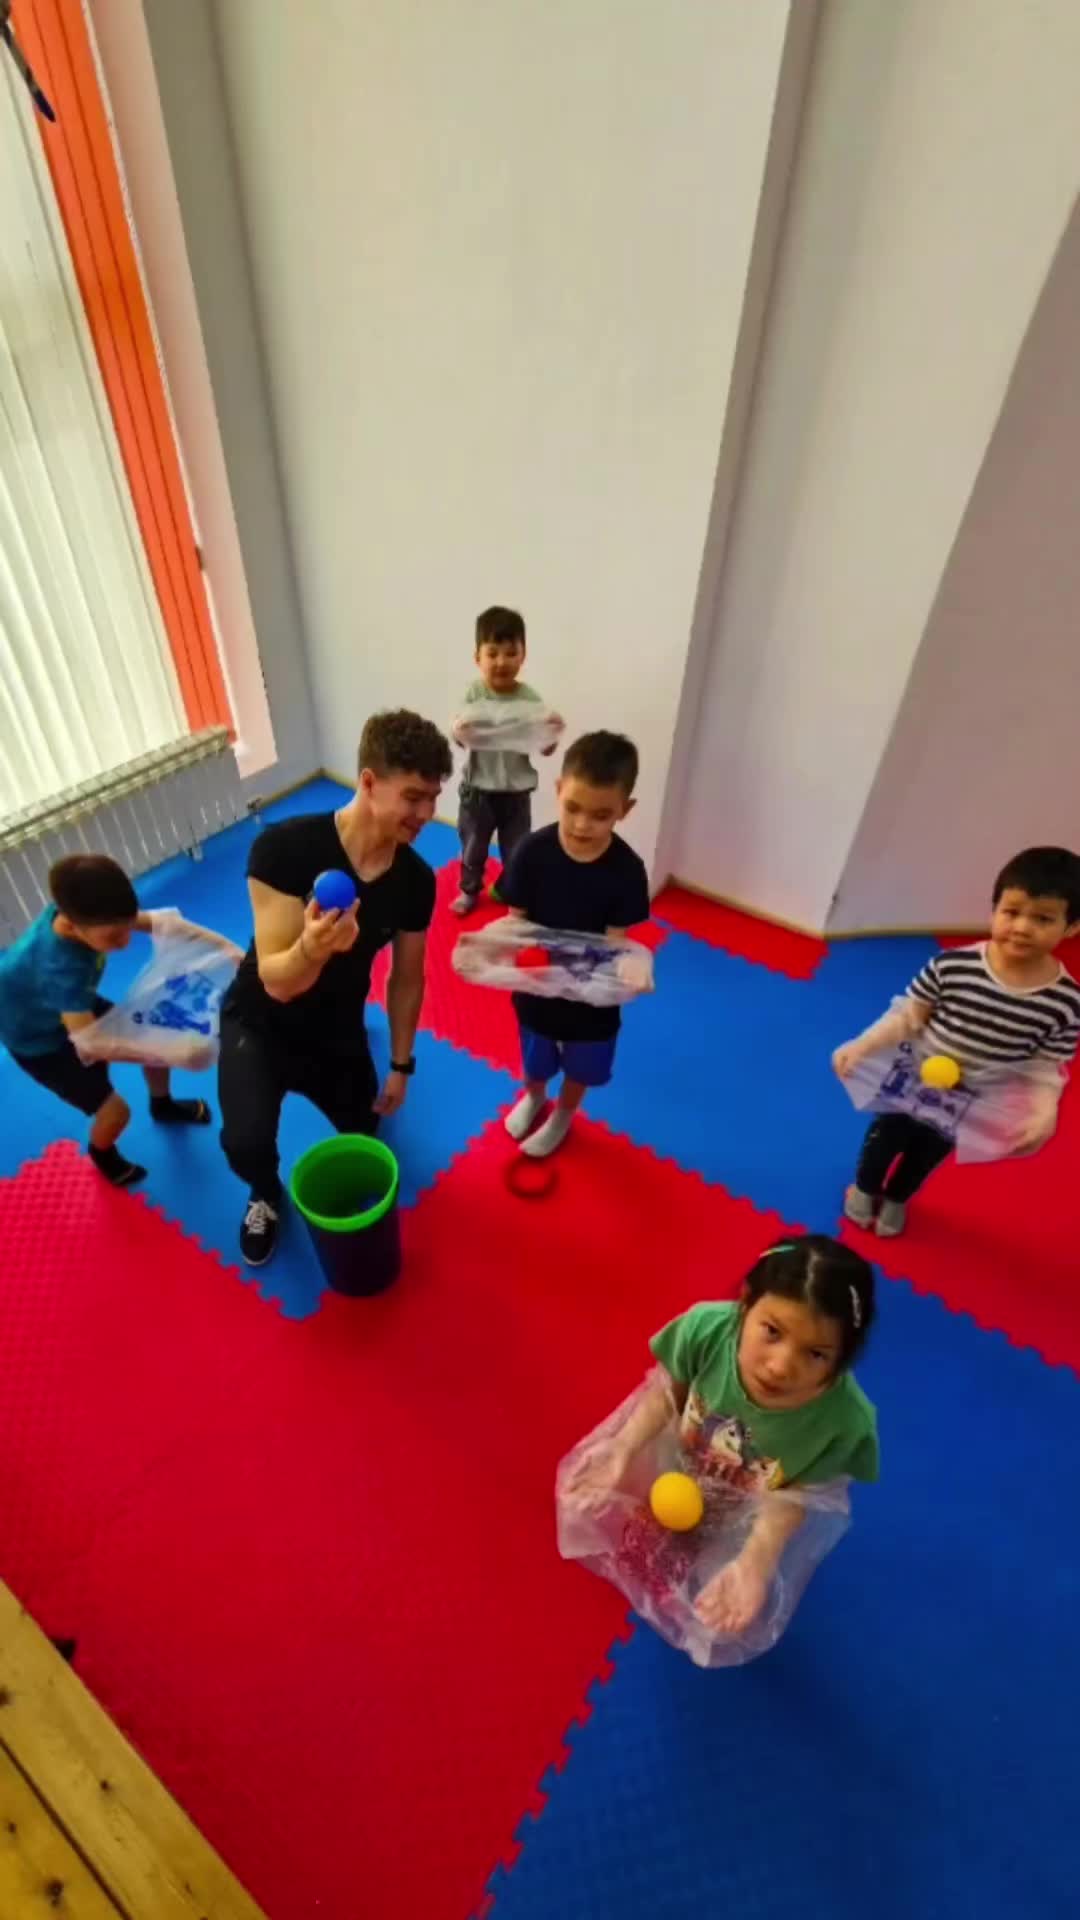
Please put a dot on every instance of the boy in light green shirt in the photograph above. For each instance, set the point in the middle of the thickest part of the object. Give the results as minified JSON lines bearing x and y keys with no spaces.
{"x":497,"y":785}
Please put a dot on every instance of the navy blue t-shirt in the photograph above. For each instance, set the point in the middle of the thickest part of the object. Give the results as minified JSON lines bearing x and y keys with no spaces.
{"x":579,"y":896}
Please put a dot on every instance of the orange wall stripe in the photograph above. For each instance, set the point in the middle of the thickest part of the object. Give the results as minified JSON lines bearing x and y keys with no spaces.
{"x":81,"y":160}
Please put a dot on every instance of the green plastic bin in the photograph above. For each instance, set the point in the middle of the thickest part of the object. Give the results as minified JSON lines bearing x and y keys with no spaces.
{"x":346,"y":1189}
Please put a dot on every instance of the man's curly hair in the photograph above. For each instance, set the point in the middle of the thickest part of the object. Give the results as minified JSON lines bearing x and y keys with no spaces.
{"x":402,"y":742}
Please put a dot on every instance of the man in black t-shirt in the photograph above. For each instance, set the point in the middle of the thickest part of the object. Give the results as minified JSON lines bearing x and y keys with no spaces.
{"x":293,"y":1019}
{"x":580,"y":877}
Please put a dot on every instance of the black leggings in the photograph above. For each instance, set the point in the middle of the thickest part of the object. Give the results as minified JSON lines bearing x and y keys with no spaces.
{"x":255,"y":1072}
{"x":915,"y":1148}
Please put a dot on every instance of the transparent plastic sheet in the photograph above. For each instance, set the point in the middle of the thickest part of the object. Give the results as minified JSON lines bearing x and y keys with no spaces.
{"x":662,"y":1573}
{"x":522,"y":958}
{"x":170,"y":1015}
{"x":508,"y":726}
{"x":984,"y":1116}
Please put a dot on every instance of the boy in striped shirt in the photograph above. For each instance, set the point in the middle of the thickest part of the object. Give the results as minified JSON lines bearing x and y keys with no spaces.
{"x":1003,"y":1002}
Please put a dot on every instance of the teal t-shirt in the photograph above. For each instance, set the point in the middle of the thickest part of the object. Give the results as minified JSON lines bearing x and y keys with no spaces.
{"x":727,"y":1436}
{"x":42,"y":976}
{"x":489,"y":769}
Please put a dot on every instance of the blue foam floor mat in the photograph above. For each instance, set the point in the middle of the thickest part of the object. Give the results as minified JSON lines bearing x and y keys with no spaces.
{"x":725,"y":1069}
{"x":909,"y":1748}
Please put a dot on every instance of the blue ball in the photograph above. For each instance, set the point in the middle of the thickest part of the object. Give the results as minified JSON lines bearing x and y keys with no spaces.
{"x":334,"y":891}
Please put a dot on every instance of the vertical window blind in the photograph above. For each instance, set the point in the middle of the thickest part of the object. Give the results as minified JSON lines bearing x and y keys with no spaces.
{"x":107,"y":649}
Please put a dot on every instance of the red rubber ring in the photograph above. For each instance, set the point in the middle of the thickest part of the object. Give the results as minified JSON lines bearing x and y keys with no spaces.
{"x":530,"y":1179}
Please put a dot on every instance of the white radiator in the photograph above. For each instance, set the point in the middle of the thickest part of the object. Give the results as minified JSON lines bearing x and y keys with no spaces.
{"x":164,"y":803}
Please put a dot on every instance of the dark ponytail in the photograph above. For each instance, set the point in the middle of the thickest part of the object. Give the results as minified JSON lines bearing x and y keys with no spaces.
{"x":825,"y":1276}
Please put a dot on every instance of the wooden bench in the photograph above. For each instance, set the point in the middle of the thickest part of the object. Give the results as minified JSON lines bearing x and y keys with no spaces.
{"x":86,"y":1830}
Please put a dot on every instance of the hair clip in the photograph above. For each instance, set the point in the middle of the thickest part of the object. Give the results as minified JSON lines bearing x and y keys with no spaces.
{"x":856,"y":1308}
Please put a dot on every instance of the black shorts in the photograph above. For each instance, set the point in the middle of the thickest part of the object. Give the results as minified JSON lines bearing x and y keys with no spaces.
{"x":86,"y":1087}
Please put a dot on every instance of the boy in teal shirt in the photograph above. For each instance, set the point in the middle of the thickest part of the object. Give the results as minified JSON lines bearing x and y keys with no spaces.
{"x":49,"y":989}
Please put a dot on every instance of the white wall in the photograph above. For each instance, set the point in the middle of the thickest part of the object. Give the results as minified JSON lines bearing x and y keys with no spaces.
{"x":500,"y":253}
{"x":984,"y":756}
{"x":939,"y":159}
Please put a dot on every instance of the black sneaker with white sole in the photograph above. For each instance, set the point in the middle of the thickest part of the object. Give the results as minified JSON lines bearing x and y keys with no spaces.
{"x":258,"y":1235}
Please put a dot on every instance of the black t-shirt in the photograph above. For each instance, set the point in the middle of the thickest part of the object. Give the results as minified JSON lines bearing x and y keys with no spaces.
{"x":579,"y":896}
{"x":330,"y":1016}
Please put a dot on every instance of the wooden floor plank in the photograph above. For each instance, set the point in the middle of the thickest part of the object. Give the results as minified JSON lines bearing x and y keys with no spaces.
{"x":40,"y":1872}
{"x":118,"y":1816}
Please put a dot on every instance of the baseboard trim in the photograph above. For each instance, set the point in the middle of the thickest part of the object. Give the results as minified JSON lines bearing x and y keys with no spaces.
{"x":818,"y":933}
{"x":742,"y":906}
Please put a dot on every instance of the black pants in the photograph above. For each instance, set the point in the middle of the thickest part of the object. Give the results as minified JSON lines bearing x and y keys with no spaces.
{"x":915,"y":1148}
{"x":482,"y":814}
{"x":255,"y":1072}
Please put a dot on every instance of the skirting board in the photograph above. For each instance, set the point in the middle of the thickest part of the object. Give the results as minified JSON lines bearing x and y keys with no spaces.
{"x":817,"y":933}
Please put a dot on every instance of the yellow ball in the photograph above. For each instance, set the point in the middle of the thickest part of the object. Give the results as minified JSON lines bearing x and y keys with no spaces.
{"x":676,"y":1502}
{"x":941,"y":1072}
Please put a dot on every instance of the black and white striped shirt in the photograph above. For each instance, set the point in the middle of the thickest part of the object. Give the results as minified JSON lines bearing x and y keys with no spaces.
{"x":981,"y":1022}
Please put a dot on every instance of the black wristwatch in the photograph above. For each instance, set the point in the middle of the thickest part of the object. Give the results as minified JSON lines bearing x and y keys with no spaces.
{"x":407,"y":1067}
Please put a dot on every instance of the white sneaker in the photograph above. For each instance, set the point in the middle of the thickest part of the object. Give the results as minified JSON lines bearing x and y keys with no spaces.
{"x":891,"y":1220}
{"x":859,"y":1207}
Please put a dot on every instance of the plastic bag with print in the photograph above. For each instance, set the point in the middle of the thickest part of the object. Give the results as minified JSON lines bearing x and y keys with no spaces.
{"x":522,"y":958}
{"x":508,"y":726}
{"x":985,"y":1114}
{"x":662,"y":1574}
{"x":170,"y":1015}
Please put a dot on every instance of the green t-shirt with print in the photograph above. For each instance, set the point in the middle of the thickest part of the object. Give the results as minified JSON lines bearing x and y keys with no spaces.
{"x":727,"y":1436}
{"x":489,"y":769}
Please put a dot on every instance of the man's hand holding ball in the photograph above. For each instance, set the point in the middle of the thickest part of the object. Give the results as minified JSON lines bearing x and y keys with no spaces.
{"x":325,"y":934}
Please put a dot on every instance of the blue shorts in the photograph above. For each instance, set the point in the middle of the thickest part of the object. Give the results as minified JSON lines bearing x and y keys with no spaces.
{"x":589,"y":1062}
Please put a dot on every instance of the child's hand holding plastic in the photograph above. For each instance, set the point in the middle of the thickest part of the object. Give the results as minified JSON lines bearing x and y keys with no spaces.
{"x":600,"y":969}
{"x":724,"y":1590}
{"x":734,"y":1597}
{"x":846,"y":1059}
{"x":597,"y":1475}
{"x":508,"y":726}
{"x":1039,"y":1124}
{"x":170,"y":1015}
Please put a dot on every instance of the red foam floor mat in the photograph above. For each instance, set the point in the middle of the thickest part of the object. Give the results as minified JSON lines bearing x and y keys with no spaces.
{"x":478,"y":1019}
{"x":998,"y":1242}
{"x":333,"y":1617}
{"x":114,"y":1331}
{"x":781,"y":949}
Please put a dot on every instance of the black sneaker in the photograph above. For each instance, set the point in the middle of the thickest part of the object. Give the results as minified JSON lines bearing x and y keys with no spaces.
{"x":258,"y":1235}
{"x":111,"y":1163}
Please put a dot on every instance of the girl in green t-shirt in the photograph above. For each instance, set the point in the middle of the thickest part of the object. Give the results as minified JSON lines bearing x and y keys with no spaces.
{"x":765,"y":1400}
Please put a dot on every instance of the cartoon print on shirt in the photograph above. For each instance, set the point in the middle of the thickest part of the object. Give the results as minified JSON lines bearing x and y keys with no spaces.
{"x":721,"y":1450}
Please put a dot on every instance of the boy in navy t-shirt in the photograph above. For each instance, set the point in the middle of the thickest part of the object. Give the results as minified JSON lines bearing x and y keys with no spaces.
{"x":580,"y":877}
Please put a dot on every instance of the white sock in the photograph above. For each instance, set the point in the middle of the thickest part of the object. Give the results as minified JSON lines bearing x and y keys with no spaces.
{"x":549,"y":1136}
{"x":520,"y":1118}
